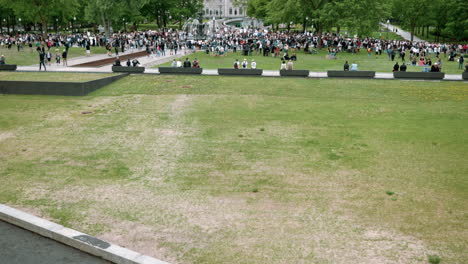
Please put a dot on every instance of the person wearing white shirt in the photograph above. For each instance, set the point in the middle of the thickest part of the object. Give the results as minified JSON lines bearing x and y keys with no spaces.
{"x":253,"y":65}
{"x":354,"y":66}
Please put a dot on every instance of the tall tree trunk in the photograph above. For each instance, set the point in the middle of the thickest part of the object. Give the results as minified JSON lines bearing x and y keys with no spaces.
{"x":427,"y":32}
{"x":44,"y":27}
{"x":338,"y":28}
{"x":412,"y":31}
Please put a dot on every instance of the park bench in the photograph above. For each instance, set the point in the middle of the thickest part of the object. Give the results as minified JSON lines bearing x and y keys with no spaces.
{"x":294,"y":73}
{"x":419,"y":75}
{"x":465,"y":76}
{"x":179,"y":70}
{"x":240,"y":72}
{"x":8,"y":67}
{"x":351,"y":74}
{"x":128,"y":69}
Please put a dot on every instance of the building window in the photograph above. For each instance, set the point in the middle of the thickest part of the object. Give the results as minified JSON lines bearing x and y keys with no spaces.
{"x":230,"y":11}
{"x":216,"y":12}
{"x":235,"y":12}
{"x":240,"y":11}
{"x":211,"y":12}
{"x":207,"y":11}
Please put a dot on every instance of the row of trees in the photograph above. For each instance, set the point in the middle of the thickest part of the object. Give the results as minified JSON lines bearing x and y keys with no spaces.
{"x":108,"y":13}
{"x":443,"y":18}
{"x":447,"y":18}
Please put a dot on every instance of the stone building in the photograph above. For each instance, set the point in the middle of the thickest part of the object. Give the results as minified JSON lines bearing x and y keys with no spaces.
{"x":223,"y":9}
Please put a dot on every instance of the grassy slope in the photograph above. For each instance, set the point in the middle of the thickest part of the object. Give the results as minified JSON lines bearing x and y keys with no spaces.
{"x":51,"y":76}
{"x":248,"y":170}
{"x":28,"y":57}
{"x":316,"y":62}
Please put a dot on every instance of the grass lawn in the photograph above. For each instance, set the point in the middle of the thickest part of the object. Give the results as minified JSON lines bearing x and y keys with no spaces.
{"x":28,"y":57}
{"x":52,"y":76}
{"x":209,"y":169}
{"x":317,"y":62}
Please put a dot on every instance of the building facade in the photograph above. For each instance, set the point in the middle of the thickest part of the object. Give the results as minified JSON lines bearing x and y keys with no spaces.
{"x":223,"y":9}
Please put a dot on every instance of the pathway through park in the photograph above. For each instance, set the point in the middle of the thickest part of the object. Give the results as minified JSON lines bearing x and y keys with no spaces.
{"x":404,"y":34}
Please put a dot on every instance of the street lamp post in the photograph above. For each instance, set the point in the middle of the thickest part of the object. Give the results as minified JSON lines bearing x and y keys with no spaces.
{"x":214,"y":26}
{"x":74,"y":23}
{"x":56,"y":25}
{"x":125,"y":24}
{"x":305,"y":26}
{"x":19,"y":26}
{"x":388,"y":29}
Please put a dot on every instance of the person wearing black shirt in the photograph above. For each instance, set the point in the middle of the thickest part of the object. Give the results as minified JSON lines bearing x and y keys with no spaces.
{"x":396,"y":67}
{"x":41,"y":60}
{"x":117,"y":62}
{"x":403,"y":67}
{"x":135,"y":62}
{"x":187,"y":63}
{"x":129,"y":63}
{"x":346,"y":66}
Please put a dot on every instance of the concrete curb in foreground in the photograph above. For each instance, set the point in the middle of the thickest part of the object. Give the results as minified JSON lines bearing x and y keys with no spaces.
{"x":73,"y":238}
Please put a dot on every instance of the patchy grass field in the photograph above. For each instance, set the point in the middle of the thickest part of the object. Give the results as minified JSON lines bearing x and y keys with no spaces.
{"x":248,"y":170}
{"x":29,"y":56}
{"x":52,"y":76}
{"x":316,"y":62}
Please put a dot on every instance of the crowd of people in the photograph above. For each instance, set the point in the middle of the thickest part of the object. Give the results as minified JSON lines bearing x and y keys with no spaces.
{"x":282,"y":45}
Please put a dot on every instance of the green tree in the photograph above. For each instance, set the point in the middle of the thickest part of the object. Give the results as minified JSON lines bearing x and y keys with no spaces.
{"x":109,"y":12}
{"x":44,"y":11}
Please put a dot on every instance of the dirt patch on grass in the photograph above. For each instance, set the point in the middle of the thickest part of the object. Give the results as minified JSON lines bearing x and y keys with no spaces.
{"x":6,"y":135}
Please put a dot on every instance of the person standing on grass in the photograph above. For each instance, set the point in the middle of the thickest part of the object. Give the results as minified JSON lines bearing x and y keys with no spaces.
{"x":41,"y":60}
{"x":57,"y":56}
{"x":64,"y":57}
{"x":461,"y":60}
{"x":48,"y":57}
{"x":88,"y":48}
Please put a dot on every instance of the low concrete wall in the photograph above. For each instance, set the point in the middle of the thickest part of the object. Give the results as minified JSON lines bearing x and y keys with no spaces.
{"x":128,"y":69}
{"x":179,"y":70}
{"x":241,"y":72}
{"x":294,"y":73}
{"x":56,"y":88}
{"x":8,"y":67}
{"x":419,"y":75}
{"x":465,"y":76}
{"x":351,"y":74}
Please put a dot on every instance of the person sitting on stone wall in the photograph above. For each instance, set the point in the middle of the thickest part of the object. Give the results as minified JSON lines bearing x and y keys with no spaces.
{"x":117,"y":61}
{"x":2,"y":60}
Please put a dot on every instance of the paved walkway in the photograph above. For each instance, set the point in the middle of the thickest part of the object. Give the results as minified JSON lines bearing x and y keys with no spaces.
{"x":404,"y":34}
{"x":146,"y":61}
{"x":19,"y":246}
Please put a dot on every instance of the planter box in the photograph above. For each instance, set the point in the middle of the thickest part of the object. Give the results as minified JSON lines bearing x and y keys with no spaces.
{"x":295,"y":73}
{"x":351,"y":74}
{"x":465,"y":76}
{"x":8,"y":67}
{"x":419,"y":75}
{"x":128,"y":69}
{"x":56,"y":88}
{"x":175,"y":70}
{"x":241,"y":72}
